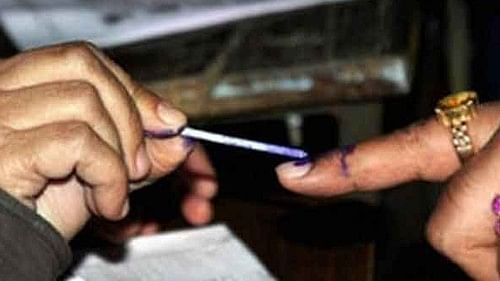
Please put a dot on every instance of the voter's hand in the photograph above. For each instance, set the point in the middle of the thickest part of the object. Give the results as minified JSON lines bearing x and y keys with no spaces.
{"x":462,"y":225}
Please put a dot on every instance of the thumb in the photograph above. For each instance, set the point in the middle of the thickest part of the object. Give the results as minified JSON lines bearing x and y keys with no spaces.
{"x":162,"y":122}
{"x":158,"y":115}
{"x":462,"y":226}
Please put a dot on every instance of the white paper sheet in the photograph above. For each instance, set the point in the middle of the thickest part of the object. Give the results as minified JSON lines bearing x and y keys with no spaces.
{"x":206,"y":254}
{"x":33,"y":23}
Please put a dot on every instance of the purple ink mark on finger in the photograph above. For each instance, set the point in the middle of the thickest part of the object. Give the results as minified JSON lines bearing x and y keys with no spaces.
{"x":497,"y":227}
{"x":495,"y":208}
{"x":344,"y":152}
{"x":302,"y":162}
{"x":189,"y":143}
{"x":161,"y":134}
{"x":495,"y":205}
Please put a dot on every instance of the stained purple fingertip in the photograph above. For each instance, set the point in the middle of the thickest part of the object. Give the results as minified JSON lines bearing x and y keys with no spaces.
{"x":495,"y":205}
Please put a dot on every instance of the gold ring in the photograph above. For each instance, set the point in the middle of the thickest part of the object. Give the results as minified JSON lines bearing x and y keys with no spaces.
{"x":455,"y":112}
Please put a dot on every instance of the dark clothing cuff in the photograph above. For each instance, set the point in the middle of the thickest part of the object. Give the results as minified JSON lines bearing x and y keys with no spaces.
{"x":30,"y":248}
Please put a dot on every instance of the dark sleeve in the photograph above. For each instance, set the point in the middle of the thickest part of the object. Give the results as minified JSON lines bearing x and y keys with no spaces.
{"x":30,"y":248}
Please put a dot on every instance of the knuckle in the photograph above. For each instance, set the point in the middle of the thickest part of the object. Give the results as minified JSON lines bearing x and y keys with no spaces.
{"x":86,"y":97}
{"x":412,"y":144}
{"x":81,"y":55}
{"x":435,"y":236}
{"x":116,"y":167}
{"x":82,"y":87}
{"x":412,"y":140}
{"x":86,"y":106}
{"x":84,"y":44}
{"x":76,"y":134}
{"x":81,"y":130}
{"x":449,"y":243}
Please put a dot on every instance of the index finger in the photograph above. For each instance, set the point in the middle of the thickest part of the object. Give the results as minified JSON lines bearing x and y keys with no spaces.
{"x":423,"y":151}
{"x":156,"y":114}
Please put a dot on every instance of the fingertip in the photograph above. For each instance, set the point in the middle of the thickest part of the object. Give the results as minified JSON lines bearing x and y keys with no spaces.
{"x":205,"y":188}
{"x":318,"y":178}
{"x":125,"y":209}
{"x":166,"y":155}
{"x":171,"y":117}
{"x":111,"y":204}
{"x":197,"y":210}
{"x":150,"y":228}
{"x":293,"y":171}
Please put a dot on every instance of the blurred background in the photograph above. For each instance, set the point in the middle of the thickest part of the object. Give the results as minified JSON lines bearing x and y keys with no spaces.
{"x":314,"y":74}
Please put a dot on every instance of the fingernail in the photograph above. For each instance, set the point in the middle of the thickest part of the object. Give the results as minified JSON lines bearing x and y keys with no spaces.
{"x":126,"y":209}
{"x":206,"y":188}
{"x":294,"y":169}
{"x":495,"y":205}
{"x":171,"y":116}
{"x":142,"y":163}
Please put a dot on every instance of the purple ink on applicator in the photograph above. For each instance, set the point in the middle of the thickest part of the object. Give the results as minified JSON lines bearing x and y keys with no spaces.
{"x":196,"y":134}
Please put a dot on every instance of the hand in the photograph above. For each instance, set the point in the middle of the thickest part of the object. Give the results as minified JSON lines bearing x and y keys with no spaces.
{"x":199,"y":177}
{"x":72,"y":126}
{"x":196,"y":176}
{"x":462,"y":225}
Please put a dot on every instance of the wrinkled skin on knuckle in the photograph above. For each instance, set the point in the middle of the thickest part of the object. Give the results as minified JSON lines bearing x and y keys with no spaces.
{"x":80,"y":56}
{"x":82,"y":46}
{"x":6,"y":103}
{"x":436,"y":236}
{"x":114,"y":96}
{"x":16,"y":173}
{"x":75,"y":135}
{"x":447,"y":242}
{"x":426,"y":153}
{"x":412,"y":144}
{"x":459,"y":248}
{"x":79,"y":137}
{"x":449,"y":236}
{"x":91,"y":109}
{"x":86,"y":98}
